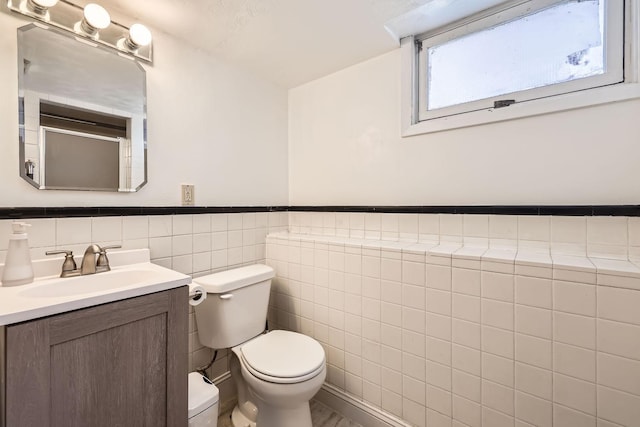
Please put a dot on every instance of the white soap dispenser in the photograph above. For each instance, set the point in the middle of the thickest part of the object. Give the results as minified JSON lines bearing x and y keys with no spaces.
{"x":17,"y":267}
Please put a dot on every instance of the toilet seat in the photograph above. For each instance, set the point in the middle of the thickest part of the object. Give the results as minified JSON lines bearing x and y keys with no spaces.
{"x":282,"y":357}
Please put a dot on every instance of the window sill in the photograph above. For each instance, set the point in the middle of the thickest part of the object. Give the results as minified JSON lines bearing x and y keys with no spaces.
{"x":571,"y":101}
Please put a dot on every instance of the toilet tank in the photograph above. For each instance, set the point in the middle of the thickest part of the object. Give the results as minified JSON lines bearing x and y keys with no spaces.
{"x":236,"y":306}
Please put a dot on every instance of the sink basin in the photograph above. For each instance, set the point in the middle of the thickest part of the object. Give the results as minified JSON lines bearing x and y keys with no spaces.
{"x":100,"y":282}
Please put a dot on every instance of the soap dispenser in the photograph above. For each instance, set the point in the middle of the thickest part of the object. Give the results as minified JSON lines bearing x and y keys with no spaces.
{"x":17,"y":267}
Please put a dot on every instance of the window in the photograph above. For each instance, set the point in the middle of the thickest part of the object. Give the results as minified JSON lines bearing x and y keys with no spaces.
{"x":83,"y":149}
{"x":529,"y":58}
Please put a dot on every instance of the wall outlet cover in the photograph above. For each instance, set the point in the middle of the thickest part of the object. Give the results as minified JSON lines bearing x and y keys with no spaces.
{"x":188,"y":195}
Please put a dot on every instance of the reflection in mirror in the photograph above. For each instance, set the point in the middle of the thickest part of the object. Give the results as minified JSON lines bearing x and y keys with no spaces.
{"x":82,"y":114}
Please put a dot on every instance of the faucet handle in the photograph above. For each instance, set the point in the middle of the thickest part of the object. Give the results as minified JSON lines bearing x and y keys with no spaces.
{"x":69,"y":263}
{"x":103,"y":261}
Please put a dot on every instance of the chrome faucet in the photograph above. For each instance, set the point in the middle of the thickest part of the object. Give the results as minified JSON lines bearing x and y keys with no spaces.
{"x":91,"y":263}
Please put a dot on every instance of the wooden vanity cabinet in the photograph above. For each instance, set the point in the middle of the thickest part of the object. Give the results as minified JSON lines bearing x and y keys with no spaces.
{"x":117,"y":364}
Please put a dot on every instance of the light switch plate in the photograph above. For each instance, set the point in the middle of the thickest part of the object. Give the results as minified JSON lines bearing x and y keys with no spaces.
{"x":188,"y":195}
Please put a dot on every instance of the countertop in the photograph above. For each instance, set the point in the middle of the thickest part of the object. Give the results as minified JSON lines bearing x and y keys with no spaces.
{"x":40,"y":299}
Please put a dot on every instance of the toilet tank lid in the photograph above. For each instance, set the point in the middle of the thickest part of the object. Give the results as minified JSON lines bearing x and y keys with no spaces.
{"x":202,"y":394}
{"x":236,"y":278}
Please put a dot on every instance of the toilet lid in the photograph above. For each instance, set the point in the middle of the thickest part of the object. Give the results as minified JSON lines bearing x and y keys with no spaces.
{"x":283,"y":354}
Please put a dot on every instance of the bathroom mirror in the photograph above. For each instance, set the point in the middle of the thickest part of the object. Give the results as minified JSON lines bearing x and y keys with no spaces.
{"x":82,"y":114}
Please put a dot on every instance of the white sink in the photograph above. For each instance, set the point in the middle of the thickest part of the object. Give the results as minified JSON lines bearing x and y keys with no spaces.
{"x":99,"y":282}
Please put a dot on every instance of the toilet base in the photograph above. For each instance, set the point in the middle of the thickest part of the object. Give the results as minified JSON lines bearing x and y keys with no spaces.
{"x":274,"y":404}
{"x":299,"y":416}
{"x":238,"y":419}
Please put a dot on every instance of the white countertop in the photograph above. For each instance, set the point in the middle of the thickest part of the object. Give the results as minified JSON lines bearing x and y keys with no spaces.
{"x":50,"y":294}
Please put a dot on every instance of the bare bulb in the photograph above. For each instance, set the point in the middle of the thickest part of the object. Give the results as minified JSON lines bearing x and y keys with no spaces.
{"x":96,"y":16}
{"x":140,"y":35}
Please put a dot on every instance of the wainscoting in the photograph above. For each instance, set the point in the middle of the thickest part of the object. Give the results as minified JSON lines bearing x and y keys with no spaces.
{"x":445,"y":319}
{"x":474,"y":330}
{"x":195,"y":244}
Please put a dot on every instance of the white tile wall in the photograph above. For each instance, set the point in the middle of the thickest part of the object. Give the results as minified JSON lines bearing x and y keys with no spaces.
{"x":192,"y":244}
{"x":515,"y":334}
{"x":603,"y":237}
{"x":569,"y":235}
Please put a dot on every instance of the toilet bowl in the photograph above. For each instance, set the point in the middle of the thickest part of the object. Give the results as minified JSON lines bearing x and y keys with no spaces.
{"x":282,"y":371}
{"x":276,"y":373}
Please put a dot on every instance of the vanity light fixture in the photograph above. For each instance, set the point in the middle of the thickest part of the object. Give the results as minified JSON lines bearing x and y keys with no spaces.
{"x":138,"y":36}
{"x":91,"y":22}
{"x":94,"y":19}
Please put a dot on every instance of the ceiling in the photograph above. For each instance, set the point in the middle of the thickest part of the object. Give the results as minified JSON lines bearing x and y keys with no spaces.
{"x":289,"y":42}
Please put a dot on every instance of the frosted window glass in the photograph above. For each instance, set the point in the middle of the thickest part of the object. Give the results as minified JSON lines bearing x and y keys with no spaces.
{"x":555,"y":45}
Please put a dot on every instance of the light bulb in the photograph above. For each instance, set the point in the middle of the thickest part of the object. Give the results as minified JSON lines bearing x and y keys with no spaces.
{"x":139,"y":35}
{"x":96,"y":16}
{"x":45,"y":3}
{"x":39,"y":7}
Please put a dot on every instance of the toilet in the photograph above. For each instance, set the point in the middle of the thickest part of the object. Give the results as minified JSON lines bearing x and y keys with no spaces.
{"x":276,"y":373}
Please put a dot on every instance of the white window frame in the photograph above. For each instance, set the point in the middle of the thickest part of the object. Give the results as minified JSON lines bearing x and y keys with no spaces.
{"x":538,"y":101}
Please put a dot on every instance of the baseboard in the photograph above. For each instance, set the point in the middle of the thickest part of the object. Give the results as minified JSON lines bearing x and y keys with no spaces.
{"x":356,"y":410}
{"x":336,"y":399}
{"x":228,"y":395}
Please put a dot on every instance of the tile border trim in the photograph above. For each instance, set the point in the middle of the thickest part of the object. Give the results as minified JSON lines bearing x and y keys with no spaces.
{"x":559,"y":210}
{"x":72,"y":212}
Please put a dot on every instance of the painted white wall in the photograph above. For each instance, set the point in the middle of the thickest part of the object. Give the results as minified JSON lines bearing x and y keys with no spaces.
{"x":210,"y":124}
{"x":345,"y":149}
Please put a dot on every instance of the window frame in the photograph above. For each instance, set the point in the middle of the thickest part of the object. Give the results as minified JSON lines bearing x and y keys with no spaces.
{"x":415,"y":121}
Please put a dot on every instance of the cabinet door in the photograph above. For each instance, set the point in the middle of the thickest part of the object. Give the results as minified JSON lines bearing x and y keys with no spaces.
{"x":118,"y":364}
